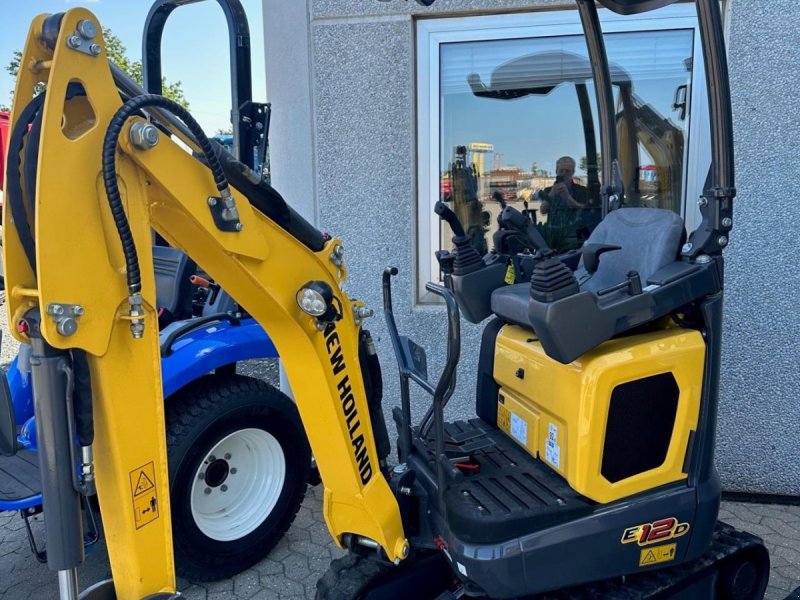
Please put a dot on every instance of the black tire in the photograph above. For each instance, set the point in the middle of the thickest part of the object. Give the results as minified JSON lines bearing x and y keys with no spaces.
{"x":198,"y":417}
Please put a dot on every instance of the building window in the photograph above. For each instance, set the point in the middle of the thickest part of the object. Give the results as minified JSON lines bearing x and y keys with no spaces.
{"x":507,"y":115}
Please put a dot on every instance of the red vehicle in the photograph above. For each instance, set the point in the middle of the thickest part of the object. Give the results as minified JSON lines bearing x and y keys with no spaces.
{"x":4,"y":117}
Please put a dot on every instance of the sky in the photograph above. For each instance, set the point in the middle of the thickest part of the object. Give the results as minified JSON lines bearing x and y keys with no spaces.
{"x":194,"y":47}
{"x":541,"y":128}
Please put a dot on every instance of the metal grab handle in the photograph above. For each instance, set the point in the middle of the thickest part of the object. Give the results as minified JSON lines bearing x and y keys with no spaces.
{"x":447,"y":380}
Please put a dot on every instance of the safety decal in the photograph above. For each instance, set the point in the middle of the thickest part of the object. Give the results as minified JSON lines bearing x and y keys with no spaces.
{"x":519,"y":429}
{"x":657,"y":531}
{"x":144,"y":495}
{"x":552,"y":451}
{"x":659,"y":554}
{"x":503,"y":417}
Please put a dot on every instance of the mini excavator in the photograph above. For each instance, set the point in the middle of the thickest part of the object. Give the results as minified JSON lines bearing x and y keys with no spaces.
{"x":588,"y":469}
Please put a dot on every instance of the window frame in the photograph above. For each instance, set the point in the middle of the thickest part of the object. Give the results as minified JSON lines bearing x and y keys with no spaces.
{"x":432,"y":33}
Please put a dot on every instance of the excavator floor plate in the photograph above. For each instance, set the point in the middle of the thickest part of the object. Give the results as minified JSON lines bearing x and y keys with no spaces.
{"x":19,"y":476}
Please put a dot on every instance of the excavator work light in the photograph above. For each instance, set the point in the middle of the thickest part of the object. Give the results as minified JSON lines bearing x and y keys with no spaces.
{"x":315,"y":298}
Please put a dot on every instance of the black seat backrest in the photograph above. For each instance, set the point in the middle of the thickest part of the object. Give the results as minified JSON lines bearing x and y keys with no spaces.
{"x":173,"y":287}
{"x":650,"y":239}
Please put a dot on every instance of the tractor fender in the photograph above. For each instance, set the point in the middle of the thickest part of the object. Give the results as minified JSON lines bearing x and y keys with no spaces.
{"x":210,"y":347}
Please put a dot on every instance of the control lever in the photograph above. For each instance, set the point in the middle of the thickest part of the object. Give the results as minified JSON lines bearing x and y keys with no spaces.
{"x":446,"y":214}
{"x":633,"y":285}
{"x":467,"y":260}
{"x":511,"y":217}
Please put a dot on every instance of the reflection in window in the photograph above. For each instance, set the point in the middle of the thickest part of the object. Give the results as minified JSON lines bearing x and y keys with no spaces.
{"x":519,"y":126}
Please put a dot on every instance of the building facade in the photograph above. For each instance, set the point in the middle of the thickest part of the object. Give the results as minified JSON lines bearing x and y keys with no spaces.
{"x":371,"y":101}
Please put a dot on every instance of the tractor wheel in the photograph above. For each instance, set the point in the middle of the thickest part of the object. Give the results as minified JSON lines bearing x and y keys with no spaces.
{"x":238,"y":465}
{"x":355,"y":577}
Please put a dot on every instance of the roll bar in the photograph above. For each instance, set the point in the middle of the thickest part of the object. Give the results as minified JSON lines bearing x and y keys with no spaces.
{"x":250,"y":120}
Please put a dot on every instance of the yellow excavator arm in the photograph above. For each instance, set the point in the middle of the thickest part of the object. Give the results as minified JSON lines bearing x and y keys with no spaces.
{"x":79,"y":262}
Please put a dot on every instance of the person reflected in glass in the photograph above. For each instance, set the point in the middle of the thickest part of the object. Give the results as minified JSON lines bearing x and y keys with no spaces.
{"x":562,"y":208}
{"x":566,"y":192}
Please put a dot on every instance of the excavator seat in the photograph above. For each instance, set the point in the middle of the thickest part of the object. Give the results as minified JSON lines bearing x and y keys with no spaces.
{"x":649,"y":239}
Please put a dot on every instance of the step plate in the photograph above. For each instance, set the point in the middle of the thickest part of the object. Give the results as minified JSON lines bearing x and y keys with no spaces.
{"x":19,"y":476}
{"x":513,"y":492}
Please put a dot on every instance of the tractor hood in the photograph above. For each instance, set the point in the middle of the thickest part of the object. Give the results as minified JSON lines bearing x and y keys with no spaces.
{"x":633,"y":7}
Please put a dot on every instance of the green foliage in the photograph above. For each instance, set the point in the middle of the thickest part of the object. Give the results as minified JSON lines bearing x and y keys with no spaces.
{"x":117,"y":52}
{"x":583,"y":166}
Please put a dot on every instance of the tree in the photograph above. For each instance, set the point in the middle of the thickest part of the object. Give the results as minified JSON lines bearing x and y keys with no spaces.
{"x":583,"y":166}
{"x":117,"y":52}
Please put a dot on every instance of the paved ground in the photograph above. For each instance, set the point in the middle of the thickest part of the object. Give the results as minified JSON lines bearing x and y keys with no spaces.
{"x":292,"y":569}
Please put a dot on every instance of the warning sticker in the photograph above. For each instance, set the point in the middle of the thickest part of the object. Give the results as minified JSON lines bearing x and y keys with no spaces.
{"x":659,"y":554}
{"x":519,"y":429}
{"x":552,"y":451}
{"x":503,"y":418}
{"x":144,"y":495}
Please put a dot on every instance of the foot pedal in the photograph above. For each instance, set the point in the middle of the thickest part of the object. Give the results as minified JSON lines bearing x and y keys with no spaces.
{"x":462,"y":437}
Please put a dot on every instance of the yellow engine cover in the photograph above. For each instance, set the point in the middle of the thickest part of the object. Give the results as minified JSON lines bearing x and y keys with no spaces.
{"x":560,"y":413}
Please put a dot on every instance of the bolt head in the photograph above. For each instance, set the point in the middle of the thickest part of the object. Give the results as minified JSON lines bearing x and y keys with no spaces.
{"x":227,"y":456}
{"x":207,"y":491}
{"x":212,"y":458}
{"x":722,"y":240}
{"x":66,"y":326}
{"x":86,"y":29}
{"x":201,"y":476}
{"x":239,"y":226}
{"x":224,"y":487}
{"x":78,"y":311}
{"x":212,"y":201}
{"x":95,"y":49}
{"x":150,"y":134}
{"x":727,"y":222}
{"x":234,"y":470}
{"x":687,"y":248}
{"x":74,"y":41}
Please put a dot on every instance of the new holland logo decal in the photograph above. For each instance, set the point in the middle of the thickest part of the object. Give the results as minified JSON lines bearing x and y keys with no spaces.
{"x":348,"y":402}
{"x":657,"y":531}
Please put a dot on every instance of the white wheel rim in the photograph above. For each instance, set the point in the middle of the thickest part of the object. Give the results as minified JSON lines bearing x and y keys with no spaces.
{"x":230,"y":509}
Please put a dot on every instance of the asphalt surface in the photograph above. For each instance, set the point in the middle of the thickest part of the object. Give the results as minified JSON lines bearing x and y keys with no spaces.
{"x":303,"y":555}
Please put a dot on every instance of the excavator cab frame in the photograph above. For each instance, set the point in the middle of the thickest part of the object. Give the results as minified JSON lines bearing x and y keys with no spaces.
{"x":426,"y":523}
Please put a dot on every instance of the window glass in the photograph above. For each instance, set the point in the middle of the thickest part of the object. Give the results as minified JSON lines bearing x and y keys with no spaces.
{"x":519,"y":126}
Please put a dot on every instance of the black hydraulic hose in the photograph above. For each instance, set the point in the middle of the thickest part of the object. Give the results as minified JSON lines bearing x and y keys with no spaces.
{"x":82,"y":398}
{"x":14,"y":192}
{"x":128,"y":109}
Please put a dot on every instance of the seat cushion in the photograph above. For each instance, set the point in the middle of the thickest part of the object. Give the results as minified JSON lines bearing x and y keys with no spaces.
{"x":650,"y":239}
{"x":510,"y":303}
